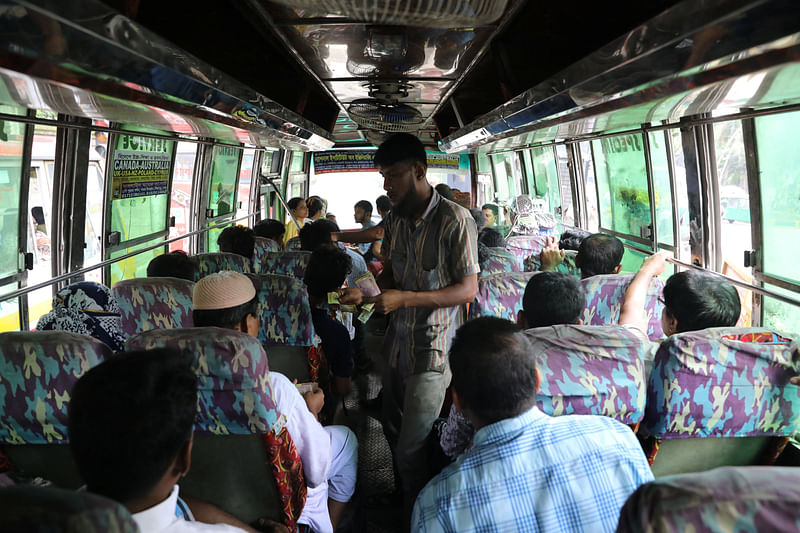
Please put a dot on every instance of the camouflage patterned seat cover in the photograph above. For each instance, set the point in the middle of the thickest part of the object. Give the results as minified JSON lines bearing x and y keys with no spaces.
{"x":262,"y":246}
{"x":38,"y":370}
{"x":498,"y":261}
{"x":293,"y":244}
{"x":154,"y":303}
{"x":217,"y":262}
{"x":500,"y":295}
{"x":235,"y":398}
{"x":523,"y":246}
{"x":283,"y":310}
{"x":285,"y":263}
{"x":742,"y":499}
{"x":591,"y":370}
{"x":604,"y":296}
{"x":47,"y":510}
{"x":724,"y":382}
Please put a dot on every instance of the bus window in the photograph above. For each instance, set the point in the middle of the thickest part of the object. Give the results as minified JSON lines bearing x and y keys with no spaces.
{"x":245,"y":179}
{"x":181,"y":194}
{"x":297,"y":163}
{"x":681,"y":194}
{"x":546,"y":177}
{"x":622,"y":184}
{"x":565,"y":185}
{"x":95,"y":193}
{"x":780,"y":315}
{"x":507,"y":174}
{"x":136,"y":266}
{"x":222,"y":188}
{"x":661,"y":183}
{"x":589,"y":187}
{"x":342,"y":190}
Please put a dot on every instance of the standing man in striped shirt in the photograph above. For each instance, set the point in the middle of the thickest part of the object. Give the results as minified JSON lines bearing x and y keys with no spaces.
{"x":430,"y":273}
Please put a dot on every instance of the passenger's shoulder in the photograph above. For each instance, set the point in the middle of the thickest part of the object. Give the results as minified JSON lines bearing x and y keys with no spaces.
{"x":452,"y":209}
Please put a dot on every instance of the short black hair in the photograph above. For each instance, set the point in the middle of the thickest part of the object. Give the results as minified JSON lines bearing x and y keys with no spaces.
{"x":175,"y":264}
{"x":553,"y":298}
{"x":271,"y":229}
{"x":383,"y":203}
{"x":599,"y":253}
{"x":365,"y":205}
{"x":327,"y":269}
{"x":494,"y":369}
{"x":444,"y":191}
{"x":129,"y":417}
{"x":294,"y":202}
{"x":237,"y":240}
{"x":493,"y":208}
{"x":479,"y":216}
{"x":317,"y":233}
{"x":700,"y":300}
{"x":228,"y":318}
{"x":491,"y":238}
{"x":315,"y":205}
{"x":400,"y":147}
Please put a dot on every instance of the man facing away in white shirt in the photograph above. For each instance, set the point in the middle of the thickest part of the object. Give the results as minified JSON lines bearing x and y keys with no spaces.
{"x":131,"y":424}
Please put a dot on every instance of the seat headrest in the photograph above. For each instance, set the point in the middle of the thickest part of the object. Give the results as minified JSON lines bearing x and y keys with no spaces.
{"x":604,"y":296}
{"x":500,"y":295}
{"x":289,"y":263}
{"x":217,"y":262}
{"x":154,"y":303}
{"x":283,"y":310}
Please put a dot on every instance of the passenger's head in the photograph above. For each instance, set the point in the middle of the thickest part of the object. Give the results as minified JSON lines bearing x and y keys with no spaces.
{"x":362,"y":211}
{"x":383,"y":205}
{"x":331,"y":217}
{"x":298,"y":208}
{"x":550,"y":299}
{"x":695,"y":300}
{"x":237,"y":240}
{"x":402,"y":162}
{"x":491,"y":238}
{"x":599,"y":253}
{"x":479,"y":216}
{"x":130,"y":423}
{"x":226,"y":300}
{"x":271,"y":229}
{"x":494,"y":370}
{"x":491,"y":212}
{"x":313,"y":235}
{"x":175,"y":264}
{"x":327,"y":269}
{"x":316,"y":207}
{"x":444,"y":191}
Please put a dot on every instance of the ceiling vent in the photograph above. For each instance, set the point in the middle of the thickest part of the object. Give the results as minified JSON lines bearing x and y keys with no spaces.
{"x":425,"y":13}
{"x":390,"y":117}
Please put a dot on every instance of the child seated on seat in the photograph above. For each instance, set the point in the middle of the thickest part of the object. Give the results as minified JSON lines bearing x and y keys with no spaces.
{"x":329,"y":455}
{"x":131,"y":424}
{"x":237,"y":240}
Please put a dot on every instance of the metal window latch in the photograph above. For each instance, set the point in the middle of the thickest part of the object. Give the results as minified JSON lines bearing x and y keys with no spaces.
{"x":558,"y":210}
{"x":172,"y":222}
{"x":209,"y":213}
{"x":113,"y":238}
{"x":750,"y":258}
{"x":646,"y":232}
{"x":28,"y":260}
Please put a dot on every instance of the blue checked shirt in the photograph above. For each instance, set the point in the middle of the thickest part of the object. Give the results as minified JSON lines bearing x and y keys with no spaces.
{"x":535,"y":472}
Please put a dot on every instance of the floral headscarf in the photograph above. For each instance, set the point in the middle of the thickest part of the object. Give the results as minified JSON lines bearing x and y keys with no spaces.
{"x":87,"y":308}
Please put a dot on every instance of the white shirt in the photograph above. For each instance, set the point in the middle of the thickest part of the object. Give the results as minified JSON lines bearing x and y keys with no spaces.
{"x":162,"y":518}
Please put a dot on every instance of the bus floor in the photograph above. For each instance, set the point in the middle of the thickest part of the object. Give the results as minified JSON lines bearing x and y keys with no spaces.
{"x":374,"y":507}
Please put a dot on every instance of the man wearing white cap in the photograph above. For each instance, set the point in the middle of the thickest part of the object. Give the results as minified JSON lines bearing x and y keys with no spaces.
{"x":329,"y":454}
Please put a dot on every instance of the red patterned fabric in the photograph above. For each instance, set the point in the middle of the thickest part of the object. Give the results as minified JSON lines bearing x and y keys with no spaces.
{"x":314,"y":354}
{"x":288,"y":471}
{"x":773,"y":450}
{"x":5,"y":463}
{"x":759,"y":338}
{"x":651,"y":445}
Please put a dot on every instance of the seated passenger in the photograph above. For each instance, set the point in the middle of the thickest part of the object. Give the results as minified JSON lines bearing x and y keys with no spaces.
{"x":87,"y":308}
{"x":318,"y":233}
{"x":326,"y":272}
{"x":175,"y":264}
{"x":362,"y":214}
{"x":444,"y":191}
{"x":271,"y":229}
{"x":598,"y":253}
{"x":316,"y":208}
{"x":491,"y":237}
{"x":299,"y":211}
{"x":329,"y":455}
{"x":237,"y":240}
{"x":527,"y":471}
{"x":491,"y":212}
{"x":131,"y":424}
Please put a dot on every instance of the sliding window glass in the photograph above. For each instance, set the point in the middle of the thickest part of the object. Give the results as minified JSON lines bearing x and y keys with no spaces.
{"x":546,"y":177}
{"x":661,"y":183}
{"x":11,"y":149}
{"x":222,"y":189}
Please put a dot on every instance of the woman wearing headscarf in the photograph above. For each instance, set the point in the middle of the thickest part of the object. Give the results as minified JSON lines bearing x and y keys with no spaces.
{"x":87,"y":308}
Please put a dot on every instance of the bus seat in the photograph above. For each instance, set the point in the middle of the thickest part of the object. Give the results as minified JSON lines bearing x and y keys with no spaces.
{"x":721,"y":397}
{"x":34,"y":509}
{"x":499,"y":260}
{"x":293,"y":244}
{"x":285,"y":263}
{"x":38,"y":370}
{"x":500,"y":295}
{"x":567,"y":266}
{"x":523,"y":246}
{"x":243,"y":459}
{"x":604,"y":296}
{"x":154,"y":303}
{"x":263,"y":245}
{"x":591,"y":370}
{"x":217,"y":262}
{"x":286,"y":325}
{"x":753,"y":498}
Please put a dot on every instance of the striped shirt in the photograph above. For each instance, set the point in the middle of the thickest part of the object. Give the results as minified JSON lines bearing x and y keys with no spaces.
{"x":437,"y":251}
{"x":537,"y":473}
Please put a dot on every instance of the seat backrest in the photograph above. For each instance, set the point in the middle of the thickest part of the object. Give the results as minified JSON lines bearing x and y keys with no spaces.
{"x":523,"y":246}
{"x":217,"y":262}
{"x":33,"y":509}
{"x":499,"y":260}
{"x":283,"y":310}
{"x":604,"y":296}
{"x":724,"y":382}
{"x":39,"y":369}
{"x":725,"y":499}
{"x":263,"y":245}
{"x":591,"y":370}
{"x":292,"y":263}
{"x":154,"y":303}
{"x":293,"y":244}
{"x":500,"y":295}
